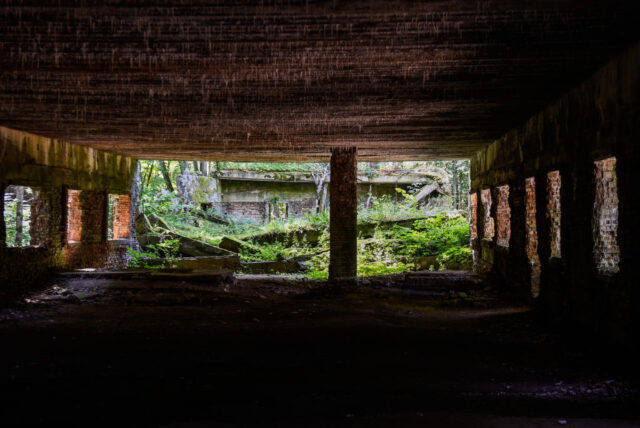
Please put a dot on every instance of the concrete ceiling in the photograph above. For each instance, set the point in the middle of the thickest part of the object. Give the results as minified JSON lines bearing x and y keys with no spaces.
{"x":287,"y":80}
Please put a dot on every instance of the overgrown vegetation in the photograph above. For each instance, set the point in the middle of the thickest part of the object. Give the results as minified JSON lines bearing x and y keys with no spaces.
{"x":17,"y":215}
{"x":156,"y":256}
{"x":438,"y":230}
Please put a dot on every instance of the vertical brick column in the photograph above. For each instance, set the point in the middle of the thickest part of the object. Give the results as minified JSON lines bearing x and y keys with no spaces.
{"x":503,"y":215}
{"x":39,"y":218}
{"x":121,"y":213}
{"x":94,"y":216}
{"x":343,"y":213}
{"x":531,"y":235}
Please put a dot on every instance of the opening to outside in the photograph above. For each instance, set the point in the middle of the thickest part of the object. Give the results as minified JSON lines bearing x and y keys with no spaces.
{"x":503,"y":216}
{"x":275,"y":216}
{"x":74,"y":216}
{"x":25,"y":217}
{"x":554,"y":213}
{"x":118,"y":225}
{"x":488,"y":224}
{"x":605,"y":217}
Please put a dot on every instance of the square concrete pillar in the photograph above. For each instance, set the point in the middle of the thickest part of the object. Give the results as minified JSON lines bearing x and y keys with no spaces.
{"x":343,"y":225}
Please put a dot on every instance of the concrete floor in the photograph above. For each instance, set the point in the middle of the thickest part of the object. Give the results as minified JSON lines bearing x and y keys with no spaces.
{"x":178,"y":352}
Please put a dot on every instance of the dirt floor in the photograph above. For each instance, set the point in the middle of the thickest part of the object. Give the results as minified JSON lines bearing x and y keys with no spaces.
{"x":178,"y":350}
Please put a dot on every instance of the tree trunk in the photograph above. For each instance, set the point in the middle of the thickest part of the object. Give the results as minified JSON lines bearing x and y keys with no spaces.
{"x":204,"y":168}
{"x":454,"y":185}
{"x":366,"y":205}
{"x":19,"y":207}
{"x":196,"y":167}
{"x":184,"y":167}
{"x":147,"y":179}
{"x":165,"y":174}
{"x":323,"y":200}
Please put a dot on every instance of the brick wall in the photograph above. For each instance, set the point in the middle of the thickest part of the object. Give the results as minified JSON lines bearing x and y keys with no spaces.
{"x":531,"y":230}
{"x":94,"y":212}
{"x":473,"y":215}
{"x":503,"y":216}
{"x":606,"y":253}
{"x":74,"y":216}
{"x":554,"y":213}
{"x":256,"y":211}
{"x":121,"y":213}
{"x":487,"y":220}
{"x":39,"y":219}
{"x":298,"y":209}
{"x":574,"y":209}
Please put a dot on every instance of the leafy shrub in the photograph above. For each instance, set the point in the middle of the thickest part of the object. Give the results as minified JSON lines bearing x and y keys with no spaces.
{"x":160,"y":255}
{"x":456,"y":258}
{"x":434,"y":235}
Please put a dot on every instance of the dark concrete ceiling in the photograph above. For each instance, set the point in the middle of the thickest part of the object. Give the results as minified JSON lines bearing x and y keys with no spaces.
{"x":288,"y":80}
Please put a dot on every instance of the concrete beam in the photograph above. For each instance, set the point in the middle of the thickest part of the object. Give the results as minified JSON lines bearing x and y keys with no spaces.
{"x":343,"y":214}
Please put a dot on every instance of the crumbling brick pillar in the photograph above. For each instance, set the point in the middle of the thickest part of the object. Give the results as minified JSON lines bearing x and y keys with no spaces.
{"x":121,"y":214}
{"x":343,"y":214}
{"x":94,"y":216}
{"x":40,"y":218}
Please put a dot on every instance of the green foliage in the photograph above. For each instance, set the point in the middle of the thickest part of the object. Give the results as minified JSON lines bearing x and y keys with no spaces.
{"x":268,"y":166}
{"x":456,"y":258}
{"x":434,"y":235}
{"x":391,"y":250}
{"x":160,"y":255}
{"x":382,"y":268}
{"x":318,"y":221}
{"x":10,"y":213}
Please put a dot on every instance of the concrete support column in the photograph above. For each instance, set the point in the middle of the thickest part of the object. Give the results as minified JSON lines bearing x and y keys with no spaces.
{"x":343,"y":214}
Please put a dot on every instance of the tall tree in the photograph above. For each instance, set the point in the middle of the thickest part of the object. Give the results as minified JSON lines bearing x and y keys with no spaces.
{"x":454,"y":185}
{"x":165,"y":174}
{"x":19,"y":219}
{"x":320,"y":174}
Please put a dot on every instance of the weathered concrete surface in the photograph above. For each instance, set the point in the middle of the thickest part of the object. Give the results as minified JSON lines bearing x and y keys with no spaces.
{"x":343,"y":219}
{"x":213,"y":264}
{"x":32,"y":160}
{"x":281,"y":352}
{"x":241,"y":81}
{"x":55,"y":168}
{"x":274,"y":267}
{"x":187,"y":246}
{"x":598,"y":119}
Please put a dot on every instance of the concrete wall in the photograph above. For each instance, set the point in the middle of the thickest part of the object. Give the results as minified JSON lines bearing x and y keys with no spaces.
{"x":56,"y":169}
{"x":562,"y":206}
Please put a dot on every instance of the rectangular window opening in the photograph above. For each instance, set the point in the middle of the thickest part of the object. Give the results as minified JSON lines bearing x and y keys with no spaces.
{"x":503,"y":216}
{"x":25,"y":217}
{"x":606,"y":252}
{"x":554,"y":213}
{"x":118,"y":222}
{"x":74,"y":216}
{"x":488,"y":224}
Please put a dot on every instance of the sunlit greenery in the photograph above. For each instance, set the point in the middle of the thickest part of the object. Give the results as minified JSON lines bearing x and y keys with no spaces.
{"x":391,"y":249}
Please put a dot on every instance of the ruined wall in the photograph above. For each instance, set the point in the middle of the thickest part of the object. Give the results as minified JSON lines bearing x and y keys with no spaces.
{"x":565,"y":226}
{"x":56,"y":169}
{"x":255,"y":211}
